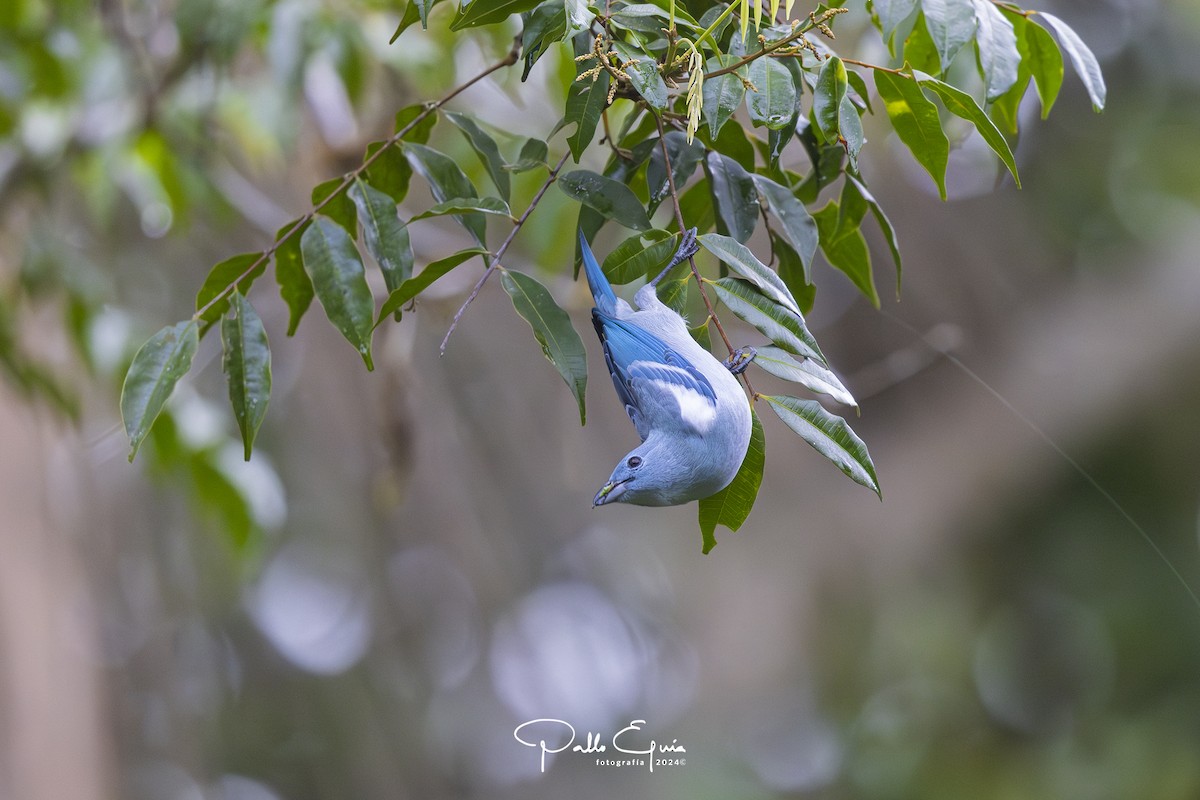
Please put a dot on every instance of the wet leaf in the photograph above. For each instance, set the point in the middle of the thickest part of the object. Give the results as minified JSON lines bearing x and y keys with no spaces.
{"x":294,"y":284}
{"x":156,"y":368}
{"x":385,"y":236}
{"x":340,"y":282}
{"x":485,"y":147}
{"x":612,"y":198}
{"x":247,"y":365}
{"x":735,"y":199}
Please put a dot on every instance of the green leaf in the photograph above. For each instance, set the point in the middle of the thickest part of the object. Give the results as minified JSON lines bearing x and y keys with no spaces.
{"x":464,"y":205}
{"x":778,"y":139}
{"x":827,"y":161}
{"x":850,"y":127}
{"x":702,"y":336}
{"x":785,"y":328}
{"x":649,"y":18}
{"x":224,"y":502}
{"x":797,"y":224}
{"x":734,"y":196}
{"x":544,"y":26}
{"x":385,"y":236}
{"x":585,"y":102}
{"x":731,"y":505}
{"x":951,"y":25}
{"x":1081,"y":58}
{"x":721,"y":95}
{"x":446,"y":182}
{"x":631,"y":260}
{"x":919,"y":49}
{"x":390,"y":172}
{"x":885,"y":224}
{"x":340,"y":208}
{"x":488,"y":12}
{"x":806,"y":372}
{"x":828,"y":96}
{"x":738,"y":258}
{"x":734,"y":143}
{"x":552,"y":328}
{"x":485,"y":147}
{"x":294,"y":285}
{"x":791,"y":271}
{"x":417,"y":122}
{"x":859,"y":85}
{"x":1045,"y":64}
{"x":340,"y":282}
{"x":414,"y":286}
{"x":829,"y":435}
{"x":961,"y":104}
{"x":673,"y":293}
{"x":415,"y":10}
{"x":247,"y":364}
{"x":997,"y":42}
{"x":156,"y":368}
{"x":915,"y":118}
{"x":684,"y":159}
{"x":643,"y":75}
{"x":845,"y":249}
{"x":697,"y":207}
{"x":891,"y":13}
{"x":613,"y":199}
{"x":533,"y":155}
{"x":221,"y":277}
{"x":772,"y":105}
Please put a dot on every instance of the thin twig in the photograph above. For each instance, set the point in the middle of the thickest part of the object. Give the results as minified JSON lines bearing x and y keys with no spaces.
{"x":350,"y":177}
{"x":858,"y":63}
{"x":495,"y":260}
{"x":712,"y":314}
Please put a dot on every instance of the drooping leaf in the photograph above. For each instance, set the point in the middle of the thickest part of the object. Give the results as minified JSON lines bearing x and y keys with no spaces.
{"x":247,"y":365}
{"x":684,"y":159}
{"x":915,"y":119}
{"x":961,"y":104}
{"x":891,"y":13}
{"x":465,"y":205}
{"x":544,"y":26}
{"x":156,"y":368}
{"x":221,"y":277}
{"x":721,"y":94}
{"x":385,"y":236}
{"x":951,"y":25}
{"x":1045,"y":64}
{"x":828,"y":96}
{"x":845,"y":248}
{"x":415,"y":10}
{"x":738,"y":258}
{"x":552,"y":328}
{"x":340,"y":282}
{"x":643,"y":75}
{"x":531,"y":156}
{"x":782,"y":326}
{"x":488,"y":12}
{"x":585,"y":102}
{"x":732,"y":505}
{"x":337,"y":205}
{"x":778,"y":139}
{"x":294,"y":284}
{"x":485,"y":147}
{"x":997,"y":42}
{"x":613,"y":199}
{"x":419,"y":283}
{"x":734,"y":196}
{"x":791,"y":271}
{"x":804,"y":371}
{"x":390,"y":172}
{"x":446,"y":181}
{"x":885,"y":224}
{"x":772,"y":105}
{"x":919,"y":50}
{"x":1082,"y":59}
{"x":631,"y":259}
{"x":650,"y":18}
{"x":827,"y":160}
{"x":859,"y":85}
{"x":796,"y":223}
{"x":697,"y":207}
{"x":851,"y":129}
{"x":829,"y":435}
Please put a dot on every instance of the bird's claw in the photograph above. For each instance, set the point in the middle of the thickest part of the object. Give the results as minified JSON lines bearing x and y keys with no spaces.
{"x":687,"y":248}
{"x":740,"y":359}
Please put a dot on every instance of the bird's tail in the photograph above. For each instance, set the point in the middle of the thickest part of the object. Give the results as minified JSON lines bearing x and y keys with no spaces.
{"x":602,"y":291}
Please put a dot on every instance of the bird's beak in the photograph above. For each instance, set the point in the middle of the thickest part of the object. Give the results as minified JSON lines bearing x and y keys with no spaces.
{"x":609,"y":493}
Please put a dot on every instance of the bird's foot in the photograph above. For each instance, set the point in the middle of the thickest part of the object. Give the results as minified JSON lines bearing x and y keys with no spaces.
{"x":740,"y":359}
{"x":687,"y":248}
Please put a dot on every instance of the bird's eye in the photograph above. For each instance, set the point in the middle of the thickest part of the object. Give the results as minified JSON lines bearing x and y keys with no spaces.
{"x":634,"y":462}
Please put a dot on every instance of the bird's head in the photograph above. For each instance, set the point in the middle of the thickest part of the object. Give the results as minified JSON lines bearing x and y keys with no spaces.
{"x":649,"y":475}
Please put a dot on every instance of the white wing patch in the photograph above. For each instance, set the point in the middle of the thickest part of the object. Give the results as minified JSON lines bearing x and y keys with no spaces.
{"x":697,"y":408}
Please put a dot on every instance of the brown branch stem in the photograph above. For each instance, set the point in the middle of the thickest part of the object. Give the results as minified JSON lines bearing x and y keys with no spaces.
{"x":495,"y":260}
{"x":858,"y":63}
{"x":350,"y":177}
{"x":712,"y":314}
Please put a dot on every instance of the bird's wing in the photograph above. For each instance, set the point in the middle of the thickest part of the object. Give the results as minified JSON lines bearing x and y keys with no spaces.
{"x":659,"y":387}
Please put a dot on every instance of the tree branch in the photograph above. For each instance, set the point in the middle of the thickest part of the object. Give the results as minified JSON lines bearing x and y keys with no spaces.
{"x":495,"y":260}
{"x":350,"y":177}
{"x":813,"y":22}
{"x":712,"y":314}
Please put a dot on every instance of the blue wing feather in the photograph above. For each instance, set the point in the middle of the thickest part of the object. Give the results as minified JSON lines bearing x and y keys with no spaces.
{"x":602,"y":291}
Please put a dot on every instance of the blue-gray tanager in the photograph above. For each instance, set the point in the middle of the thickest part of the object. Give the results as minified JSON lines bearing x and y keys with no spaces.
{"x":692,"y":415}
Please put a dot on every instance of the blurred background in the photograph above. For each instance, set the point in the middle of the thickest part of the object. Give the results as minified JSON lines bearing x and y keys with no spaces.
{"x":409,"y":568}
